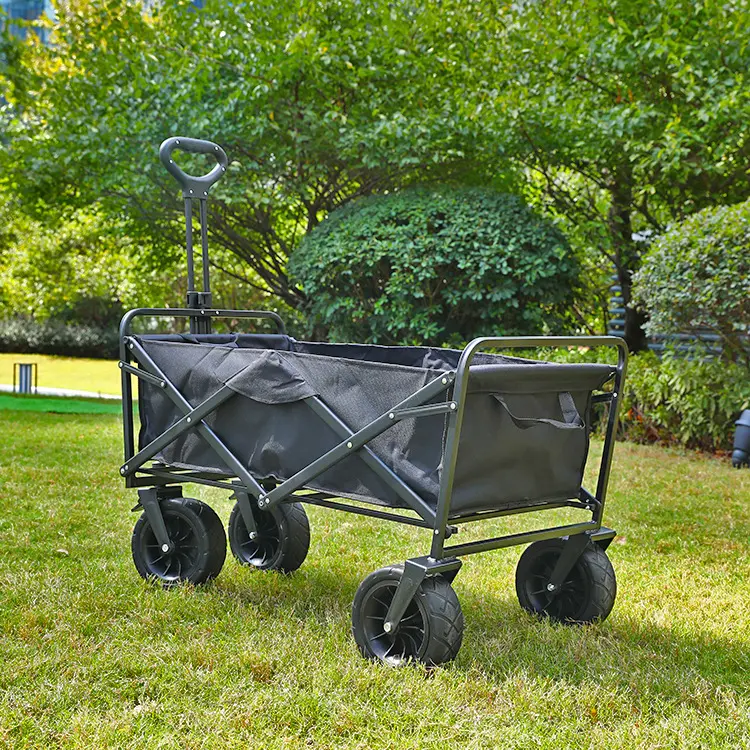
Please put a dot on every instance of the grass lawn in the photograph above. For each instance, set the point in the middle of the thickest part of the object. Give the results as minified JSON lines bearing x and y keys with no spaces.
{"x":18,"y":402}
{"x":91,"y":656}
{"x":74,"y":373}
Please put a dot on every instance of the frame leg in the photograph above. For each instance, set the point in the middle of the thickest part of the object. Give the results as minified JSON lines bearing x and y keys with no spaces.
{"x":149,"y":500}
{"x":246,"y":511}
{"x":415,"y":571}
{"x":573,"y":549}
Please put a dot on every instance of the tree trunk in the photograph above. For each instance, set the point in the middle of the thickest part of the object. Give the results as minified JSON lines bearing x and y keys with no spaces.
{"x":634,"y":334}
{"x":626,"y":255}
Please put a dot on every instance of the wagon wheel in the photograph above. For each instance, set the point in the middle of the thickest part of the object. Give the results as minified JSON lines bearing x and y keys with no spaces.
{"x":587,"y":594}
{"x":430,"y":632}
{"x":197,"y":535}
{"x":280,"y":542}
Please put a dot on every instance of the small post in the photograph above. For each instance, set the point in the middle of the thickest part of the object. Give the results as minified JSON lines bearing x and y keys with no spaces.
{"x":24,"y":374}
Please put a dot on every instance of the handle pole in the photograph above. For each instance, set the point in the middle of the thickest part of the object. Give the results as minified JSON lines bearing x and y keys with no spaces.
{"x":204,"y":246}
{"x":189,"y":246}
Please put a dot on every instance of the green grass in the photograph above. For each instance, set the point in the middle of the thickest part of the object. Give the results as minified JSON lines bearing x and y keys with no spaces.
{"x":91,"y":656}
{"x":74,"y":373}
{"x":56,"y":405}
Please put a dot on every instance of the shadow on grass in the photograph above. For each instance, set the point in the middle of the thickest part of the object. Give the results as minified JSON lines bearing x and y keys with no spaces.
{"x":500,"y":639}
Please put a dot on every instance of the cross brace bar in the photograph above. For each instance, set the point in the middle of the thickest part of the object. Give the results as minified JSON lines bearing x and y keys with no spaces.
{"x":205,"y":431}
{"x":384,"y":472}
{"x":143,"y":375}
{"x":191,"y":420}
{"x":356,"y":441}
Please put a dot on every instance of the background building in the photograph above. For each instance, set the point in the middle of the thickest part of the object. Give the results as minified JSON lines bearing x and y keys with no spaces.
{"x":27,"y":10}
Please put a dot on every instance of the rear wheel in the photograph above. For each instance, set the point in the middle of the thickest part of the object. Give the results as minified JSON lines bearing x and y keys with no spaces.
{"x":587,"y":594}
{"x":198,"y":539}
{"x":430,"y":631}
{"x":280,"y":543}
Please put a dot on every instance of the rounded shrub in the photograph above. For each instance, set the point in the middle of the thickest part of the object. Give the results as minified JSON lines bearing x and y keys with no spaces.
{"x":435,"y":265}
{"x":697,"y":276}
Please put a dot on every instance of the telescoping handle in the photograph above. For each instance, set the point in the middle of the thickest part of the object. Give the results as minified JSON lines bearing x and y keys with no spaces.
{"x":193,"y":187}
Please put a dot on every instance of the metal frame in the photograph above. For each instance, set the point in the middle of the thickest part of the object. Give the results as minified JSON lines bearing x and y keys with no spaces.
{"x":250,"y":492}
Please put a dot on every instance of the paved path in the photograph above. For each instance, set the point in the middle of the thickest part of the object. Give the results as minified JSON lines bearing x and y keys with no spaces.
{"x":64,"y":392}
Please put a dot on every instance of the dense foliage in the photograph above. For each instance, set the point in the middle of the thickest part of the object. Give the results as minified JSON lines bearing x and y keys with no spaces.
{"x":616,"y":120}
{"x":693,"y":401}
{"x":625,"y":114}
{"x":77,"y":271}
{"x":316,"y":104}
{"x":85,"y":269}
{"x":697,"y":276}
{"x":437,"y":266}
{"x":29,"y":336}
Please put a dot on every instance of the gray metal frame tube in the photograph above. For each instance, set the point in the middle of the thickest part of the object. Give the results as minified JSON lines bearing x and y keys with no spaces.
{"x":189,"y":244}
{"x":511,"y":540}
{"x":202,"y":206}
{"x":184,"y":312}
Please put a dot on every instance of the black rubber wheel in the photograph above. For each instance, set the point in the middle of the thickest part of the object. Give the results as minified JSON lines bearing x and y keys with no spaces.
{"x":587,"y":595}
{"x":430,"y":631}
{"x":198,"y":536}
{"x":282,"y":541}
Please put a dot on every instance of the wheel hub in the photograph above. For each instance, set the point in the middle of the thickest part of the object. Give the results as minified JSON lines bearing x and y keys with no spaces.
{"x":260,"y":547}
{"x":171,"y":562}
{"x":560,"y":602}
{"x":393,"y":645}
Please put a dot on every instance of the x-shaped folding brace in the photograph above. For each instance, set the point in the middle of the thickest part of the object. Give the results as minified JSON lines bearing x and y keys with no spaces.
{"x":193,"y":418}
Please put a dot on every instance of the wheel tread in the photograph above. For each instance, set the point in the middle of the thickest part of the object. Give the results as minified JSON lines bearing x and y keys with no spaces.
{"x":442,"y":608}
{"x":599,"y":574}
{"x":294,"y":527}
{"x":214,"y":554}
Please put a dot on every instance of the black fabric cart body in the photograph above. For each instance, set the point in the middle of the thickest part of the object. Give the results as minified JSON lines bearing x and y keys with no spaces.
{"x":451,"y":437}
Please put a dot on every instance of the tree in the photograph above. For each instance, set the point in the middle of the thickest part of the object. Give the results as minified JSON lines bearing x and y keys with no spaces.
{"x":85,"y":270}
{"x":696,"y":276}
{"x":316,"y":103}
{"x":624,"y":115}
{"x":77,"y":271}
{"x":436,"y":265}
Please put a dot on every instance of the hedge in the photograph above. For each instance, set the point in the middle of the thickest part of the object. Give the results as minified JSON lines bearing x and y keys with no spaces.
{"x":28,"y":336}
{"x":696,"y":276}
{"x":679,"y":398}
{"x":437,"y":264}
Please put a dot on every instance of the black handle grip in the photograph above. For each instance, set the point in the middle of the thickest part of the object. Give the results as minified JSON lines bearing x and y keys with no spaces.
{"x":193,"y":187}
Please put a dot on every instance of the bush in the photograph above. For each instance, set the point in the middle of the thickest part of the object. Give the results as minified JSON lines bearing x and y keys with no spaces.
{"x":438,"y":265}
{"x":28,"y":336}
{"x":675,"y":399}
{"x":697,"y":276}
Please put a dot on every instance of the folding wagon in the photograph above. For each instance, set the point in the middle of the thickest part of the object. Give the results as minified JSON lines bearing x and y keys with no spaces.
{"x":432,"y":438}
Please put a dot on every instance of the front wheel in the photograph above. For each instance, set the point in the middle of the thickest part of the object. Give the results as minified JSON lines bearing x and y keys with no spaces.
{"x":430,"y":632}
{"x":280,"y":542}
{"x":587,"y":594}
{"x":198,"y":540}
